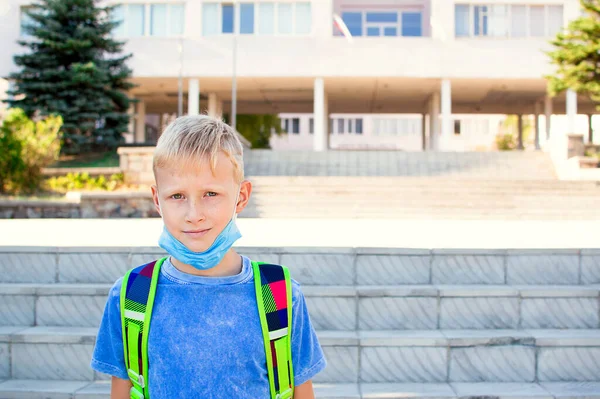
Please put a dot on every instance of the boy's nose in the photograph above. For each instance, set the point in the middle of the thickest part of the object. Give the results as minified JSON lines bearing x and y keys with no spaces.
{"x":194,"y":213}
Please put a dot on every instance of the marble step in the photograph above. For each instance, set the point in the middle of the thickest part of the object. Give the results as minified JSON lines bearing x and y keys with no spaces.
{"x":60,"y":353}
{"x":36,"y":389}
{"x":393,"y":307}
{"x":324,"y":266}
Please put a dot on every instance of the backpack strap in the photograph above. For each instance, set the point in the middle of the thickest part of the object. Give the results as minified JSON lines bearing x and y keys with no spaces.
{"x":274,"y":296}
{"x":137,"y":299}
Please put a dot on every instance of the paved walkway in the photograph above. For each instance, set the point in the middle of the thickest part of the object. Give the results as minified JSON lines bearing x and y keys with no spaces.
{"x":314,"y":233}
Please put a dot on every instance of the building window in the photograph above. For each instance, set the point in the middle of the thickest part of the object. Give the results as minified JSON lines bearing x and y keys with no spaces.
{"x":502,"y":20}
{"x":166,"y":20}
{"x":537,"y":21}
{"x":353,"y":21}
{"x":359,"y":125}
{"x":285,"y":19}
{"x":340,"y":126}
{"x":330,"y":125}
{"x":383,"y":23}
{"x":210,"y":20}
{"x":518,"y":21}
{"x":480,"y":22}
{"x":555,"y":20}
{"x":303,"y":19}
{"x":456,"y":126}
{"x":163,"y":20}
{"x":135,"y":20}
{"x":379,"y":22}
{"x":311,"y":125}
{"x":264,"y":18}
{"x":296,"y":125}
{"x":227,"y":18}
{"x":291,"y":125}
{"x":412,"y":24}
{"x":246,"y":18}
{"x":350,"y":126}
{"x":461,"y":20}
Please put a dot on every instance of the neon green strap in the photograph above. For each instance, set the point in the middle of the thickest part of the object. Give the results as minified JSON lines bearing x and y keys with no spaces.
{"x":265,"y":330}
{"x":281,"y":353}
{"x":282,"y":344}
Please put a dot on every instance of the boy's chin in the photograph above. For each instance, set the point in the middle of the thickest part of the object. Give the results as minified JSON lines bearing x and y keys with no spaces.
{"x":196,"y":245}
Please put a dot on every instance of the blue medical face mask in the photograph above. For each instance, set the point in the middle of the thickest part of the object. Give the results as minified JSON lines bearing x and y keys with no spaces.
{"x":209,"y":258}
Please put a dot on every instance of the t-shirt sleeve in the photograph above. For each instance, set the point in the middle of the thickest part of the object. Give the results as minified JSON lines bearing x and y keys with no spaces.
{"x":307,"y":356}
{"x":108,"y":354}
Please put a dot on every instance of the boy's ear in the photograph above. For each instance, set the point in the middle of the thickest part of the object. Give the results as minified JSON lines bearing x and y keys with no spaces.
{"x":245,"y":192}
{"x":155,"y":199}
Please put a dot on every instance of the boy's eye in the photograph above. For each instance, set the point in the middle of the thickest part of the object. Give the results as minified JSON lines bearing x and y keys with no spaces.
{"x":177,"y":196}
{"x":211,"y":194}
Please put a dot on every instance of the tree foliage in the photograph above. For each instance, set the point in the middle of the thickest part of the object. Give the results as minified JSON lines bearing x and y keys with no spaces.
{"x":258,"y":128}
{"x":74,"y":68}
{"x":28,"y":146}
{"x":576,"y":54}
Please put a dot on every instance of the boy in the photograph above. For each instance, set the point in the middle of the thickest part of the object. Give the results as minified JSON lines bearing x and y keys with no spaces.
{"x":205,"y":339}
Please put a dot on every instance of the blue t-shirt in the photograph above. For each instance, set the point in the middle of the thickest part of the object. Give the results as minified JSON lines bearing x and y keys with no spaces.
{"x":205,"y":338}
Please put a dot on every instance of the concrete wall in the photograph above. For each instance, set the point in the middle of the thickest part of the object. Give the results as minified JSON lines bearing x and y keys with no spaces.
{"x":273,"y":56}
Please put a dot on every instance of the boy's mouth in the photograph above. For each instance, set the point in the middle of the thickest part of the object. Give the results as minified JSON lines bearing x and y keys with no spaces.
{"x":196,"y":233}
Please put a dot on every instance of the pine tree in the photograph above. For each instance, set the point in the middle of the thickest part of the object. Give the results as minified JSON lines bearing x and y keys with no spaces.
{"x":74,"y":68}
{"x":577,"y":55}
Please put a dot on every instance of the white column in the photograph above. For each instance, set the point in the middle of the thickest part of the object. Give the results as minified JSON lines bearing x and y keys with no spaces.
{"x":434,"y":121}
{"x":321,"y":115}
{"x":424,"y":131}
{"x":520,"y":145}
{"x":215,"y":106}
{"x":536,"y":115}
{"x":446,"y":111}
{"x":548,"y":114}
{"x":130,"y":136}
{"x":140,"y":122}
{"x":590,"y":139}
{"x":571,"y":111}
{"x":193,"y":97}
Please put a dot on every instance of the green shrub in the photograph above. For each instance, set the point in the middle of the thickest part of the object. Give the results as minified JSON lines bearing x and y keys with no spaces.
{"x":83,"y":181}
{"x":505,"y":142}
{"x":32,"y":145}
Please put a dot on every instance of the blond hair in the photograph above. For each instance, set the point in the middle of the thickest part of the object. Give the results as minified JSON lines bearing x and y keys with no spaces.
{"x":189,"y":139}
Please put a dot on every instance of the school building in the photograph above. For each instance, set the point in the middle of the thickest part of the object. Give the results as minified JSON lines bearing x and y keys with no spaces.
{"x":416,"y":75}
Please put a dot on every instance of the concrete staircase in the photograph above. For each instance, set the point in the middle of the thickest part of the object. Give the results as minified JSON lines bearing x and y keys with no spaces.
{"x":422,"y":198}
{"x":405,"y":185}
{"x":393,"y":323}
{"x":511,"y":165}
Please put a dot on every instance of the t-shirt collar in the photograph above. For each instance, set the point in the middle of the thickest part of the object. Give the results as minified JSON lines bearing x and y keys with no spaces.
{"x":172,"y":273}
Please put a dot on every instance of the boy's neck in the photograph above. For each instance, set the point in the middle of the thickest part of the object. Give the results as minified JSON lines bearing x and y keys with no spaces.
{"x":230,"y":265}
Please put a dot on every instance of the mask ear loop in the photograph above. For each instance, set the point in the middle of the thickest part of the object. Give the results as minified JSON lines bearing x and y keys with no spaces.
{"x":234,"y":216}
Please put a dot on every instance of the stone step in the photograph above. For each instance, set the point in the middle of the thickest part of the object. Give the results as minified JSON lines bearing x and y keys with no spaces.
{"x":404,"y":307}
{"x":323,"y":266}
{"x":499,"y":166}
{"x":400,"y":214}
{"x":63,"y":353}
{"x":433,"y":204}
{"x":45,"y":389}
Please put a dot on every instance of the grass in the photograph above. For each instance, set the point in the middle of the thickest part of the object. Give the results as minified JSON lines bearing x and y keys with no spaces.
{"x":92,"y":160}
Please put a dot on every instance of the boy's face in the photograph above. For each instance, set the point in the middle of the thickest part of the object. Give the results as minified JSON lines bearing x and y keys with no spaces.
{"x":196,"y":204}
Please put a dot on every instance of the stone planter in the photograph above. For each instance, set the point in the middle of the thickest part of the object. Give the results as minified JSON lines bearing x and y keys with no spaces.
{"x":136,"y":165}
{"x":137,"y":204}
